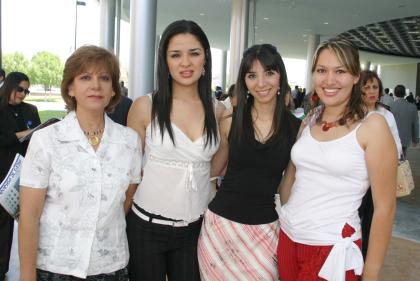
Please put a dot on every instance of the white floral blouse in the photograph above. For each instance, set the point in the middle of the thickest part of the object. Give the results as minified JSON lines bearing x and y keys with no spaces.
{"x":82,"y":226}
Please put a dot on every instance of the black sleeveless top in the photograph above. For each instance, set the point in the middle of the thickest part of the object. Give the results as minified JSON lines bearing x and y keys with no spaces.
{"x":253,"y":175}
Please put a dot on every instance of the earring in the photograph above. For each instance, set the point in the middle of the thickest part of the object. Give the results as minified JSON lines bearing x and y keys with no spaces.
{"x":203,"y":72}
{"x":248,"y":94}
{"x":278,"y":92}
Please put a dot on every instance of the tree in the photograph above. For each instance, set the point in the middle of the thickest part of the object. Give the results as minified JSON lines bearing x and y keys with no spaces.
{"x":46,"y":70}
{"x":15,"y":62}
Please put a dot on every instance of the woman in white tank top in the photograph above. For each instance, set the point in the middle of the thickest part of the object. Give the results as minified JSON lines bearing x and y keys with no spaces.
{"x":339,"y":153}
{"x":178,"y":125}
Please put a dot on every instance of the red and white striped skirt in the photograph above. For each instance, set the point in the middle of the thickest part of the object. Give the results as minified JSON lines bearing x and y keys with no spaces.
{"x":233,"y":251}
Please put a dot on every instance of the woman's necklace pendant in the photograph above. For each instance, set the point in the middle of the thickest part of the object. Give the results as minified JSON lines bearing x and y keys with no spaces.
{"x":328,"y":125}
{"x":93,"y":140}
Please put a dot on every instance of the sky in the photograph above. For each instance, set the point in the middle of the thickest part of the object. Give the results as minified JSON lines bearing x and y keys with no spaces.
{"x":31,"y":26}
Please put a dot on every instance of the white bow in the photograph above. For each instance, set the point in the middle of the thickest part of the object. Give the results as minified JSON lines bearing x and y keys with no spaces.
{"x":345,"y":255}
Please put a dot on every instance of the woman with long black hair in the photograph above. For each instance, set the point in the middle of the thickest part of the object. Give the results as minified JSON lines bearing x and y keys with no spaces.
{"x":178,"y":126}
{"x":240,"y":231}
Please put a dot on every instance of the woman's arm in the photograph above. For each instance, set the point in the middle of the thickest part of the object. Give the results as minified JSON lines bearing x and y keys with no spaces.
{"x":285,"y":187}
{"x":220,"y":158}
{"x":139,"y":116}
{"x":381,"y":161}
{"x":129,"y":197}
{"x":31,"y":206}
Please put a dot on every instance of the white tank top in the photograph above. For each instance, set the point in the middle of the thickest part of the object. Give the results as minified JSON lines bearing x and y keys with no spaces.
{"x":331,"y":180}
{"x":176,"y":179}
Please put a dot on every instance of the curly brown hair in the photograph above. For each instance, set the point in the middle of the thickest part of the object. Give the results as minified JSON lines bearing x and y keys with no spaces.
{"x":84,"y":58}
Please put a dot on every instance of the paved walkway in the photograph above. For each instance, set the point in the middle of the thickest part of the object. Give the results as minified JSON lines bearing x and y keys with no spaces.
{"x":402,"y":262}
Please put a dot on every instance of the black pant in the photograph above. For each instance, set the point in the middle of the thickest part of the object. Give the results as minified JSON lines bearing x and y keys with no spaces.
{"x":6,"y":238}
{"x":366,"y":215}
{"x":119,"y":275}
{"x":157,"y":251}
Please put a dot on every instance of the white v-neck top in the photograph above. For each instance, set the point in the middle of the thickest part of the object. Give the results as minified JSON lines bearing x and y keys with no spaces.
{"x":176,"y":179}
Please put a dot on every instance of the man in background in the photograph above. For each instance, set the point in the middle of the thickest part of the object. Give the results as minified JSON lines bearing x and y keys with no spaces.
{"x":124,"y":90}
{"x":386,"y":98}
{"x":406,"y":118}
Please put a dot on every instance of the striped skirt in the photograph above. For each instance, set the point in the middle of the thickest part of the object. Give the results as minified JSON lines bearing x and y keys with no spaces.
{"x":233,"y":251}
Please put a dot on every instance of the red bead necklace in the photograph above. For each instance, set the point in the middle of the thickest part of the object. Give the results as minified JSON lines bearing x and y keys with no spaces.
{"x":328,"y":125}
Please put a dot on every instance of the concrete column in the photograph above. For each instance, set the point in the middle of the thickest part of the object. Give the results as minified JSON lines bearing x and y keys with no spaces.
{"x":142,"y":49}
{"x":313,"y":42}
{"x":238,"y":36}
{"x":223,"y":72}
{"x":367,"y":66}
{"x":118,"y":27}
{"x":107,"y":27}
{"x":375,"y":68}
{"x":418,"y":80}
{"x":155,"y":63}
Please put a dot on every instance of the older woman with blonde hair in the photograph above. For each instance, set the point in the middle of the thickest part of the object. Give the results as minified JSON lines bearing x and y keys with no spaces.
{"x":74,"y":180}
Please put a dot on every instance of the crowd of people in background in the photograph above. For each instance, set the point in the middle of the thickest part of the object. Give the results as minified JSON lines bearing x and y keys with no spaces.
{"x":120,"y":190}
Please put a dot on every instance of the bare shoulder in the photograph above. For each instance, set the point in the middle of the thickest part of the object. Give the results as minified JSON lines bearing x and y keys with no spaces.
{"x":141,"y":107}
{"x":373,"y":127}
{"x":143,"y":103}
{"x":375,"y":121}
{"x":140,"y":113}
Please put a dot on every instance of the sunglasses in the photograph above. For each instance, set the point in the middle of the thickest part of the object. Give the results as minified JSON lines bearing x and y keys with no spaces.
{"x":20,"y":89}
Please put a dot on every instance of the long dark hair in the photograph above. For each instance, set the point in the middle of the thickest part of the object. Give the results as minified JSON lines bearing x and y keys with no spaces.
{"x":162,"y":99}
{"x":270,"y":59}
{"x":11,"y":82}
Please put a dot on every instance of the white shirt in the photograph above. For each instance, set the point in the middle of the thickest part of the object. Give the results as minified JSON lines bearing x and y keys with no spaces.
{"x":389,"y":117}
{"x":331,"y":180}
{"x":387,"y":99}
{"x":176,"y":179}
{"x":82,"y":226}
{"x":227,"y":103}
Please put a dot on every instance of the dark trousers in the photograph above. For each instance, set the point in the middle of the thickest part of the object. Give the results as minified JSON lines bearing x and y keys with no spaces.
{"x":159,"y":251}
{"x":366,"y":215}
{"x":6,"y":238}
{"x":119,"y":275}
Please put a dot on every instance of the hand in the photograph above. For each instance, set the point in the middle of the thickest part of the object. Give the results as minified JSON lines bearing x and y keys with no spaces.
{"x":22,"y":134}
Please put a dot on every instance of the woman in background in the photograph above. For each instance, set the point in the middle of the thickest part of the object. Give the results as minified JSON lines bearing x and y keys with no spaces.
{"x":372,"y":91}
{"x":74,"y":180}
{"x":16,"y":119}
{"x":333,"y":162}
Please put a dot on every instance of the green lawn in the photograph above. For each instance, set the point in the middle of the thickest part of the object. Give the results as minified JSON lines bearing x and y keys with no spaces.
{"x":47,"y":98}
{"x":47,"y":114}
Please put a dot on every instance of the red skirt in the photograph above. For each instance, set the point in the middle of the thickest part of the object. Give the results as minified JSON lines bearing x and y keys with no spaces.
{"x":300,"y":262}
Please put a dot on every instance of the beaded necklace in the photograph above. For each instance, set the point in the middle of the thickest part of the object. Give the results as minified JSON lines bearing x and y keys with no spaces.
{"x":94,"y":137}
